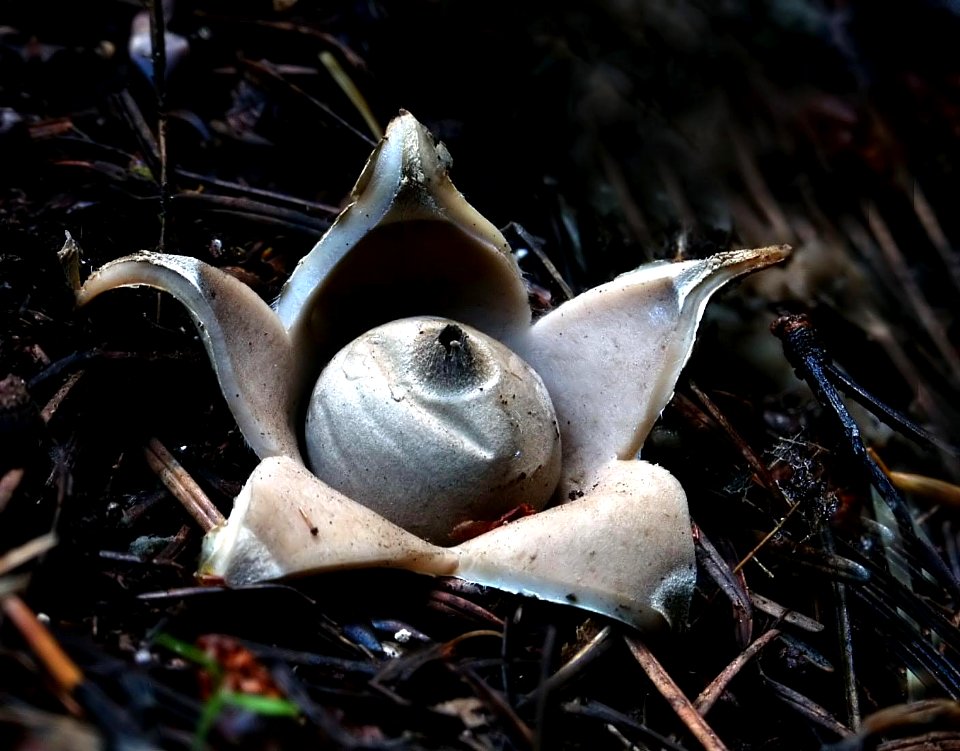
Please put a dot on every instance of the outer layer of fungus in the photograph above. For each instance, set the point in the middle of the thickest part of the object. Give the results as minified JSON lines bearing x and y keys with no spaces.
{"x":409,"y":413}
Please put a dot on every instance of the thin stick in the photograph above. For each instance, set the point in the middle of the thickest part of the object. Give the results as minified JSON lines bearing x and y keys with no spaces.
{"x":611,"y":718}
{"x":63,"y":670}
{"x":127,"y":107}
{"x":730,"y":584}
{"x":673,"y":188}
{"x":759,"y":190}
{"x":266,"y":74}
{"x":632,"y":212}
{"x":182,"y":485}
{"x":769,"y":536}
{"x":845,"y":637}
{"x":934,"y":490}
{"x":911,"y":290}
{"x":252,"y":210}
{"x":537,"y":250}
{"x":175,"y":545}
{"x":746,"y":450}
{"x":57,"y":399}
{"x":597,"y":646}
{"x":289,"y":26}
{"x":348,"y":87}
{"x":498,"y":704}
{"x":809,"y":709}
{"x":8,"y":486}
{"x":928,"y":218}
{"x":929,"y":488}
{"x":158,"y":34}
{"x":13,"y":583}
{"x":778,"y":611}
{"x":27,"y":552}
{"x":708,"y":697}
{"x":300,"y":204}
{"x":540,"y":713}
{"x":887,"y":414}
{"x":461,"y":606}
{"x":671,"y":692}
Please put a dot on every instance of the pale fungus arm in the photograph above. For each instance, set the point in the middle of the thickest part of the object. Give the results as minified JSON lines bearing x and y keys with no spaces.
{"x":624,"y":551}
{"x":248,"y":347}
{"x":611,"y":357}
{"x":286,"y":522}
{"x":407,"y":244}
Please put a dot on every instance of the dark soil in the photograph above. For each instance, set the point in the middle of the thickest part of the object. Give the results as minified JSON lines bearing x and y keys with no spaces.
{"x":612,"y":134}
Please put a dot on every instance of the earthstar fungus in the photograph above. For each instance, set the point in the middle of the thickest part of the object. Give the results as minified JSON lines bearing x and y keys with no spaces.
{"x":399,"y":391}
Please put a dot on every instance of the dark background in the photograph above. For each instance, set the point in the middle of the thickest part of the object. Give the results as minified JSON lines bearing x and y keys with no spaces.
{"x":614,"y":133}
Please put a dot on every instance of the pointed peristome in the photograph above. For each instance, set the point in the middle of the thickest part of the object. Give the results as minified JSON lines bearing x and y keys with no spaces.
{"x":611,"y":357}
{"x":624,"y":550}
{"x":248,"y":348}
{"x":433,"y":424}
{"x":407,"y":244}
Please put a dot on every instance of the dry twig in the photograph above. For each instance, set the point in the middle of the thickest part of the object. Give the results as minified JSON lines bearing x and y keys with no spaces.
{"x":27,"y":552}
{"x":708,"y":697}
{"x":670,"y":691}
{"x":182,"y":485}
